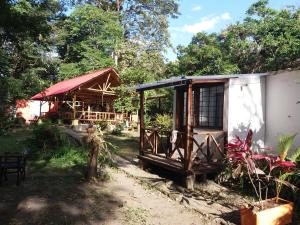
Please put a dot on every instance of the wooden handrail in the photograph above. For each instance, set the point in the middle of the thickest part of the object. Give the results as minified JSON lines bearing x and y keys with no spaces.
{"x":96,"y":116}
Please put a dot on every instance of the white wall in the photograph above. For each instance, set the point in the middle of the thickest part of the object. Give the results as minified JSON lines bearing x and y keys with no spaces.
{"x":246,"y":108}
{"x":282,"y":106}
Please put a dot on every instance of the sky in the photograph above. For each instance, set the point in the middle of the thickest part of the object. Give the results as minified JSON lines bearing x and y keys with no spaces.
{"x":210,"y":16}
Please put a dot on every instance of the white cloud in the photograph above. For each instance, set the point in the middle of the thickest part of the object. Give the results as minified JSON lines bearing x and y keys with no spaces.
{"x":205,"y":24}
{"x":196,"y":8}
{"x":226,"y":16}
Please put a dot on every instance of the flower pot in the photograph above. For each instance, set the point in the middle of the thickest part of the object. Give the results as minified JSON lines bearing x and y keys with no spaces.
{"x":279,"y":213}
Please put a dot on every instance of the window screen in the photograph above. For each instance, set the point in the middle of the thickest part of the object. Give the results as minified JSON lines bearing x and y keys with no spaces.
{"x":211,"y":100}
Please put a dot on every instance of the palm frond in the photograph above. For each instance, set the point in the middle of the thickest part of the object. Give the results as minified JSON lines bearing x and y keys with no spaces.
{"x":285,"y":144}
{"x":296,"y":155}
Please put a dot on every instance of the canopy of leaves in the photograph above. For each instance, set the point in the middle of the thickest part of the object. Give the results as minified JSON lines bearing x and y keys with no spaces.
{"x":87,"y":39}
{"x":266,"y":40}
{"x":25,"y":60}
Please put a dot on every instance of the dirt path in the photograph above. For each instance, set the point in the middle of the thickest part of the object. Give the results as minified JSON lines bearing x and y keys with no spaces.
{"x":65,"y":200}
{"x":147,"y":206}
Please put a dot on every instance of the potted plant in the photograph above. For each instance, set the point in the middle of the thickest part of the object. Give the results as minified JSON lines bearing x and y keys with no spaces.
{"x":263,"y":170}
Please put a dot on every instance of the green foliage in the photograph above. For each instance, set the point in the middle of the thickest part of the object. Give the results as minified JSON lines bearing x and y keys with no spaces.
{"x":47,"y":136}
{"x":205,"y":55}
{"x":284,"y":145}
{"x":296,"y":155}
{"x":267,"y":40}
{"x":164,"y":122}
{"x":118,"y":129}
{"x":65,"y":156}
{"x":87,"y":39}
{"x":102,"y":125}
{"x":25,"y":43}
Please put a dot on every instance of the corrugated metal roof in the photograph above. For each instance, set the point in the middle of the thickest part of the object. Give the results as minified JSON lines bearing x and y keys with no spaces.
{"x":175,"y":81}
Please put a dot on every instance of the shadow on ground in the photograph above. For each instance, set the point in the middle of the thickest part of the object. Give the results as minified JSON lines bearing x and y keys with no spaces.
{"x":55,"y":197}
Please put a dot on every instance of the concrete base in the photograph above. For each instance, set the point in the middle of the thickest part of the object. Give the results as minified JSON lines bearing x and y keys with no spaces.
{"x":189,"y":181}
{"x":75,"y":122}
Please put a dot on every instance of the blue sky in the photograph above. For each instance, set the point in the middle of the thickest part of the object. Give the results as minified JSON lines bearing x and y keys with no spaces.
{"x":210,"y":16}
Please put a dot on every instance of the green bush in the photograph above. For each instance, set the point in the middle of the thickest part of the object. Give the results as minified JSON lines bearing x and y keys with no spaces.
{"x":102,"y":125}
{"x":118,"y":129}
{"x":48,"y":136}
{"x":164,"y":122}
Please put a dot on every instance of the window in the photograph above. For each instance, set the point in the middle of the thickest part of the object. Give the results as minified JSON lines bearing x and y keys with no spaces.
{"x":210,"y":106}
{"x":208,"y":101}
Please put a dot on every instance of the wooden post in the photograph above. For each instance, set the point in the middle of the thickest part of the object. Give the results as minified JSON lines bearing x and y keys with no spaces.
{"x":208,"y":148}
{"x":41,"y":103}
{"x":74,"y":108}
{"x":196,"y":107}
{"x":142,"y":125}
{"x":179,"y":111}
{"x":189,"y":130}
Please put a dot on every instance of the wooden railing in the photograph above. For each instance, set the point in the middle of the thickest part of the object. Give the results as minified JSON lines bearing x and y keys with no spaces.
{"x":210,"y":142}
{"x":95,"y":116}
{"x":158,"y":143}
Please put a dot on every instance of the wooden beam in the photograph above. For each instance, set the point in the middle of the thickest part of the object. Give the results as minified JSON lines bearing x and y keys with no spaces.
{"x":209,"y":81}
{"x":99,"y":91}
{"x":189,"y":130}
{"x":142,"y":125}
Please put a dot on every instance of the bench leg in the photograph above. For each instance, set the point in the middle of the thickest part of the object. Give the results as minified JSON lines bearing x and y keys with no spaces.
{"x":1,"y":175}
{"x":5,"y":174}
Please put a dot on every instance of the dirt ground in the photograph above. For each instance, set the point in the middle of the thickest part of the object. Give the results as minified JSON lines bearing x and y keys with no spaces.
{"x":65,"y":199}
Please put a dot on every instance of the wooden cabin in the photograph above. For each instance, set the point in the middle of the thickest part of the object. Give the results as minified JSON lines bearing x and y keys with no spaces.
{"x":87,"y":98}
{"x":209,"y":110}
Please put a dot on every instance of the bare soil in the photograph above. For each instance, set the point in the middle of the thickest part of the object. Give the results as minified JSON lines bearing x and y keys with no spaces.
{"x":63,"y":198}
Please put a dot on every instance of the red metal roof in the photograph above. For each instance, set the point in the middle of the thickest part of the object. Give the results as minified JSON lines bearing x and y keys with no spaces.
{"x":71,"y":84}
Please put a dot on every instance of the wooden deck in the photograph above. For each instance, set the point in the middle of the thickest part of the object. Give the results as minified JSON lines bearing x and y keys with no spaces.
{"x":177,"y":166}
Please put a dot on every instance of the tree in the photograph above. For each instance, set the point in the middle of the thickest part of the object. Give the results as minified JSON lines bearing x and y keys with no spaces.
{"x":145,"y":22}
{"x":26,"y":64}
{"x":87,"y":39}
{"x":204,"y":55}
{"x":267,"y":40}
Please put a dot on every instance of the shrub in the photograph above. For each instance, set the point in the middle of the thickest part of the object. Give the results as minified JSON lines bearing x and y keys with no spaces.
{"x":102,"y":125}
{"x":164,"y":122}
{"x":263,"y":170}
{"x":48,"y":136}
{"x":118,"y":129}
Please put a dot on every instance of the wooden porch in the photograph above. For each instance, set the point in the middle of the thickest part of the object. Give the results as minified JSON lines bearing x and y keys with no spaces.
{"x":191,"y":149}
{"x":158,"y":150}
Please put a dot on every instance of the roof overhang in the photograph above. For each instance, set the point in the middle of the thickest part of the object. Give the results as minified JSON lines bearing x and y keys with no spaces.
{"x":184,"y":80}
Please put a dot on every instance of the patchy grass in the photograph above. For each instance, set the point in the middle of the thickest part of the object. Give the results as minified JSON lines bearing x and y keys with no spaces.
{"x":15,"y":142}
{"x":136,"y":216}
{"x":54,"y":191}
{"x":127,"y":147}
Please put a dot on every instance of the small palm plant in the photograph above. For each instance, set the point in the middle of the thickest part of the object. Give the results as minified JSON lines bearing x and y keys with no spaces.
{"x":284,"y":147}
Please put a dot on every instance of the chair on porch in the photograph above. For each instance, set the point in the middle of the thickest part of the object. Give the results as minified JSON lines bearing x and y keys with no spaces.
{"x":12,"y":163}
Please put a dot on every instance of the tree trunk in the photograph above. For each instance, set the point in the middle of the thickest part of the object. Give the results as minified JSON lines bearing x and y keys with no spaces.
{"x":92,"y":164}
